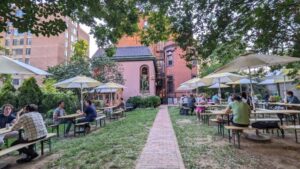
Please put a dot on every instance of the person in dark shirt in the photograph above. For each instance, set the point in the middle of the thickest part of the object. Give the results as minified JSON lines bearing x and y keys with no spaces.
{"x":90,"y":114}
{"x":6,"y":118}
{"x":291,"y":98}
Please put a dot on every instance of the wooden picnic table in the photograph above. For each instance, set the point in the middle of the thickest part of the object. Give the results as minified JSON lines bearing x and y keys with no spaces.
{"x":265,"y":111}
{"x":211,"y":105}
{"x":5,"y":130}
{"x":70,"y":116}
{"x":284,"y":104}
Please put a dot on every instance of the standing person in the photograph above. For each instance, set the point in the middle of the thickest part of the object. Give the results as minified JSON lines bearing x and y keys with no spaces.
{"x":60,"y":111}
{"x":90,"y":114}
{"x":229,"y":100}
{"x":122,"y":104}
{"x":34,"y":129}
{"x":241,"y":112}
{"x":191,"y":103}
{"x":7,"y":118}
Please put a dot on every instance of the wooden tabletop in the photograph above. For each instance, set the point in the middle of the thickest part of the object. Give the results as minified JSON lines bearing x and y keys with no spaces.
{"x":261,"y":111}
{"x":211,"y":105}
{"x":283,"y":104}
{"x":215,"y":112}
{"x":4,"y":130}
{"x":70,"y":116}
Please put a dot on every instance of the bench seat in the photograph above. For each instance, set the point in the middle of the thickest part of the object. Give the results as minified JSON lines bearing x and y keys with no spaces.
{"x":19,"y":146}
{"x":265,"y":119}
{"x":292,"y":127}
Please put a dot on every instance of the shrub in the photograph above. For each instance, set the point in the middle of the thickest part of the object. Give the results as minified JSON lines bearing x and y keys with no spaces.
{"x":8,"y":94}
{"x":142,"y":102}
{"x":50,"y":101}
{"x":29,"y":93}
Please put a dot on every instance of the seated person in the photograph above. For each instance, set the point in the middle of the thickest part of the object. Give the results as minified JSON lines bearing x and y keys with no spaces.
{"x":90,"y":114}
{"x":215,"y":99}
{"x":122,"y":104}
{"x":60,"y":111}
{"x":291,"y":99}
{"x":6,"y":118}
{"x":34,"y":129}
{"x":240,"y":110}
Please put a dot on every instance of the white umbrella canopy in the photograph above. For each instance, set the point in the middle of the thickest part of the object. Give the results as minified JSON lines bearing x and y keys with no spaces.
{"x":80,"y":82}
{"x":218,"y":85}
{"x":10,"y":66}
{"x":223,"y":78}
{"x":251,"y":60}
{"x":110,"y":87}
{"x":242,"y":81}
{"x":184,"y":88}
{"x":275,"y":80}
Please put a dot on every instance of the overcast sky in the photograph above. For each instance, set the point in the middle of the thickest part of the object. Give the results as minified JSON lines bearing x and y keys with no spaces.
{"x":92,"y":43}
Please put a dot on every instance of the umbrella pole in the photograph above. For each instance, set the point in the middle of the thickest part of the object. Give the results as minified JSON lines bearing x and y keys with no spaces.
{"x":219,"y":89}
{"x":284,"y":89}
{"x":81,"y":100}
{"x":241,"y":90}
{"x":251,"y":88}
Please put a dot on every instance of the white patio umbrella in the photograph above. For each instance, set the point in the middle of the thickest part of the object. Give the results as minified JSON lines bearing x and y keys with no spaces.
{"x":277,"y":80}
{"x":223,"y":78}
{"x":250,"y":60}
{"x":110,"y":87}
{"x":241,"y":82}
{"x":10,"y":66}
{"x":197,"y":82}
{"x":218,"y":86}
{"x":80,"y":82}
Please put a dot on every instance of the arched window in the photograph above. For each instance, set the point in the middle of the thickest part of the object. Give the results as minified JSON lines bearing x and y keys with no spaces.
{"x":144,"y":79}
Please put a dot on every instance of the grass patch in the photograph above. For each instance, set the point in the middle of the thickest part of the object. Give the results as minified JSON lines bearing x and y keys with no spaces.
{"x":201,"y":147}
{"x":117,"y":145}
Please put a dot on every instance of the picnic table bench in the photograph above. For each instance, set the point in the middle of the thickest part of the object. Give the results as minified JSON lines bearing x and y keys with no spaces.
{"x":236,"y":131}
{"x":292,"y":127}
{"x":47,"y":139}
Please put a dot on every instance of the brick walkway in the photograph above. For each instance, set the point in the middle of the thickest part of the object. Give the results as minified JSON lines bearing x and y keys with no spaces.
{"x":161,"y":150}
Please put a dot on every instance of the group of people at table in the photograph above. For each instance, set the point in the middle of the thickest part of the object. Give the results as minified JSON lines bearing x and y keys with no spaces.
{"x":238,"y":105}
{"x":31,"y":123}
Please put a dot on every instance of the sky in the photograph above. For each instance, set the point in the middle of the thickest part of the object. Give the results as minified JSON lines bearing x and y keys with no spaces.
{"x":92,"y":43}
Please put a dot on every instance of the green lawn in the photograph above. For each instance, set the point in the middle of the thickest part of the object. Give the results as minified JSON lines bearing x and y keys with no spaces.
{"x":201,"y":147}
{"x":117,"y":145}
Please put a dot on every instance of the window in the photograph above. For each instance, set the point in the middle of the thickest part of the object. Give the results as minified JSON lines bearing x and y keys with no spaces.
{"x":6,"y":42}
{"x":16,"y":32}
{"x":17,"y":51}
{"x":66,"y":35}
{"x":15,"y":42}
{"x":9,"y":23}
{"x":16,"y":82}
{"x":21,"y":41}
{"x":19,"y":13}
{"x":169,"y":55}
{"x":66,"y":44}
{"x":170,"y":84}
{"x":72,"y":39}
{"x":29,"y":41}
{"x":144,"y":79}
{"x":8,"y":32}
{"x":74,"y":31}
{"x":146,"y":24}
{"x":20,"y":60}
{"x":29,"y":33}
{"x":27,"y":61}
{"x":28,"y":51}
{"x":66,"y":53}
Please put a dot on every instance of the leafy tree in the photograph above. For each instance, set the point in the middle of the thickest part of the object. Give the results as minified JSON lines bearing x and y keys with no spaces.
{"x":106,"y":70}
{"x":63,"y":71}
{"x":29,"y":93}
{"x":48,"y":86}
{"x":108,"y":20}
{"x":8,"y":93}
{"x":80,"y":51}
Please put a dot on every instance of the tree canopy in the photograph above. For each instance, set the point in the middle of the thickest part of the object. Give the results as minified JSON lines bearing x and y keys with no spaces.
{"x":207,"y":26}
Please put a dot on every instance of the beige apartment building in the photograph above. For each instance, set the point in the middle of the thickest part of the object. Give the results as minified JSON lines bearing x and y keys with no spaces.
{"x":40,"y":51}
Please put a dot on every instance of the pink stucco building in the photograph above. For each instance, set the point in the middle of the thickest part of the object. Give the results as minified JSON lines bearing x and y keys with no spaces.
{"x":138,"y":69}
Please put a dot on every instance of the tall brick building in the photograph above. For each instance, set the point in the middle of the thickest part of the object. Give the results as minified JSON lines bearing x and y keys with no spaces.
{"x":42,"y":52}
